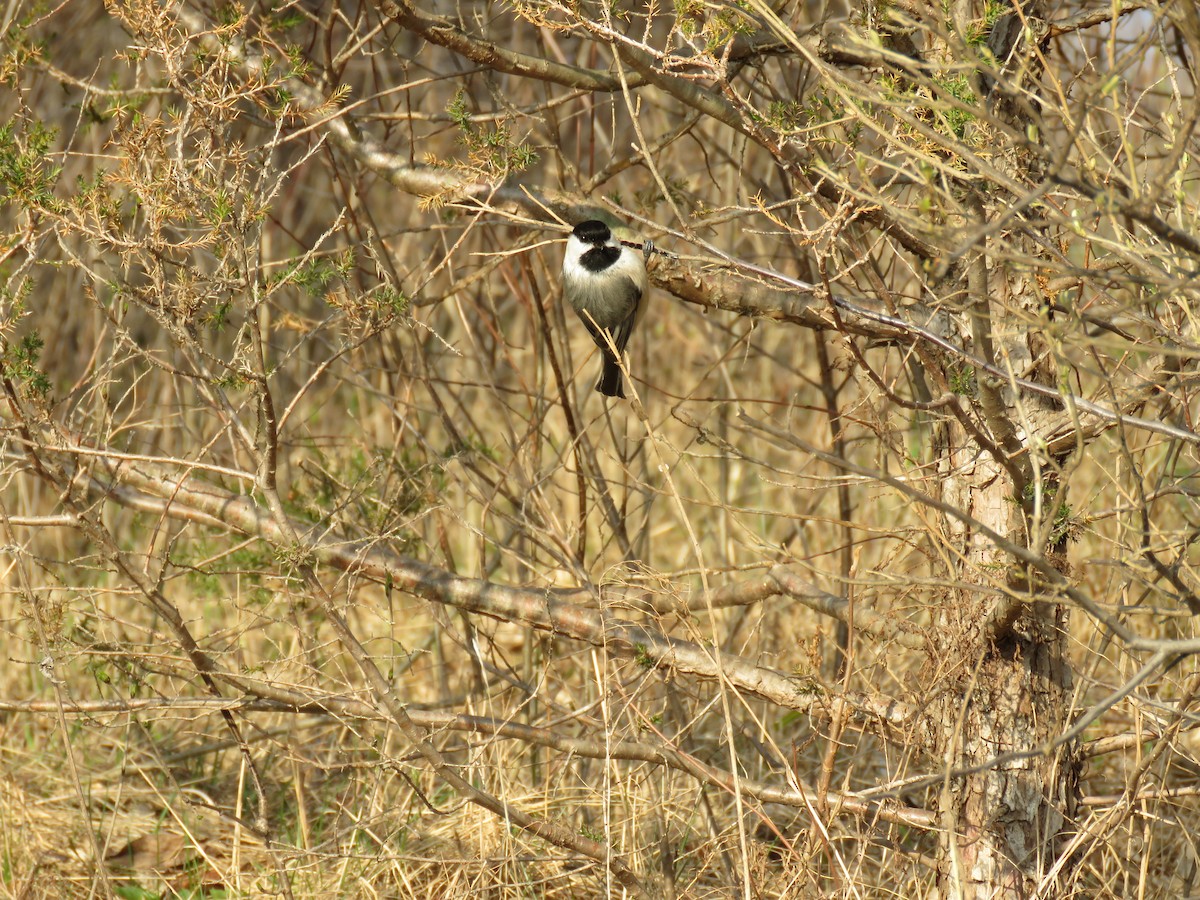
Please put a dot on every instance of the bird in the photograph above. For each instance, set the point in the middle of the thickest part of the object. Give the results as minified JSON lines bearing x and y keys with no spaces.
{"x":604,"y":280}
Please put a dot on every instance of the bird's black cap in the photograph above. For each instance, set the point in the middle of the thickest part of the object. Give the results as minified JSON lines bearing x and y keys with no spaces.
{"x":593,"y":231}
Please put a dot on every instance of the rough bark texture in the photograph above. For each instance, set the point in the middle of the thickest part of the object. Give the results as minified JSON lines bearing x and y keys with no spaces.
{"x":1005,"y":803}
{"x":1006,"y":800}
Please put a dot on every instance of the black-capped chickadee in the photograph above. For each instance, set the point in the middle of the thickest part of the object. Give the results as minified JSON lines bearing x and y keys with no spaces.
{"x":605,"y":283}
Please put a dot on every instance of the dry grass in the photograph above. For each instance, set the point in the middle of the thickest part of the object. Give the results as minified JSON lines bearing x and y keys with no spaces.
{"x":202,"y":239}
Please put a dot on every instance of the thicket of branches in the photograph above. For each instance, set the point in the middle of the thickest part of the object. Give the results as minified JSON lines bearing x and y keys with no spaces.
{"x":326,"y":572}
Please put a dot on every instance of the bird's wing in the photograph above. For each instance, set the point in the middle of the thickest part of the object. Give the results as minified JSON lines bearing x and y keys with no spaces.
{"x":625,"y":329}
{"x":594,"y":330}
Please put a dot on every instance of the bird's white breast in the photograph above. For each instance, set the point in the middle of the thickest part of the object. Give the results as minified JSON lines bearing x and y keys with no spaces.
{"x":611,"y":295}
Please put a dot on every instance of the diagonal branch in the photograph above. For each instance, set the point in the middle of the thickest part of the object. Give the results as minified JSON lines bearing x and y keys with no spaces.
{"x":545,"y":610}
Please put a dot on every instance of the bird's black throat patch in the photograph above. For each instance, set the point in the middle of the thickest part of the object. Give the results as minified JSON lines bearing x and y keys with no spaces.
{"x":597,"y":259}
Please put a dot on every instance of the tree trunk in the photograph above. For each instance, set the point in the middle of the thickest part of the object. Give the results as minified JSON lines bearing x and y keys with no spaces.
{"x":1005,"y":803}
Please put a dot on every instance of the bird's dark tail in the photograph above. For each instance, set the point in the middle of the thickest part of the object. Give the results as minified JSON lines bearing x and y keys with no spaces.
{"x":610,"y":379}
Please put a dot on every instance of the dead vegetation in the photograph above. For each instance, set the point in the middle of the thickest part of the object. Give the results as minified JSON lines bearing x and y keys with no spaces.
{"x":325,"y":573}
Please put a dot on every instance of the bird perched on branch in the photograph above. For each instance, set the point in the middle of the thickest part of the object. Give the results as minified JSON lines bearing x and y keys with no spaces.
{"x":604,"y":280}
